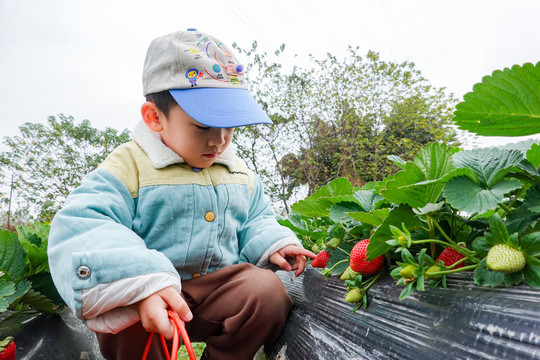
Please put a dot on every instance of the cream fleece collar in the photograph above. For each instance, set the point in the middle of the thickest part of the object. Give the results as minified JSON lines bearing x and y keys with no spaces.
{"x":161,"y":156}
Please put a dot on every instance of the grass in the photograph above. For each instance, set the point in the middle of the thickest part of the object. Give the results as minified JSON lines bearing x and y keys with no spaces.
{"x":198,"y":348}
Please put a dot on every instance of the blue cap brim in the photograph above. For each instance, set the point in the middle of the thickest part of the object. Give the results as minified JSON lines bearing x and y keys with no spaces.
{"x":221,"y":107}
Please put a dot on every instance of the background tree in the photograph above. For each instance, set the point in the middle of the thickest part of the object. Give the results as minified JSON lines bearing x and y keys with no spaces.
{"x":335,"y":118}
{"x":49,"y":160}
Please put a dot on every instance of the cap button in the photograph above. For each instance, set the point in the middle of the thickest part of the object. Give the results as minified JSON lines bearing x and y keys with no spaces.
{"x":191,"y":29}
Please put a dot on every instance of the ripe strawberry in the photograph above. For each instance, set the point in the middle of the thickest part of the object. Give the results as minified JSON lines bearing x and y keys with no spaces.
{"x":321,"y":259}
{"x":502,"y":257}
{"x":450,"y":256}
{"x":358,"y":259}
{"x":7,"y":349}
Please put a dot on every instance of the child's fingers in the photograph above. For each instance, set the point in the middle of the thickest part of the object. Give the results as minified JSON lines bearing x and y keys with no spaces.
{"x":280,"y":261}
{"x":177,"y":303}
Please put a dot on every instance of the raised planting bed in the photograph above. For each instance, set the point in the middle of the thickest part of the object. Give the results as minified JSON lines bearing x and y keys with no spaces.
{"x":462,"y":321}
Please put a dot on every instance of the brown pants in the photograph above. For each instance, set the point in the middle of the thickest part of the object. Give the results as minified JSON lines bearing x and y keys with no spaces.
{"x":236,"y":310}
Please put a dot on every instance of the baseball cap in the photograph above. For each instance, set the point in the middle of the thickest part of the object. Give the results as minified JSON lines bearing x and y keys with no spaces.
{"x":204,"y":77}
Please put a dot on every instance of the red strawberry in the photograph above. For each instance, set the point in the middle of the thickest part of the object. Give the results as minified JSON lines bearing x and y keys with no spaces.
{"x":7,"y":349}
{"x":321,"y":259}
{"x":358,"y":259}
{"x":450,"y":256}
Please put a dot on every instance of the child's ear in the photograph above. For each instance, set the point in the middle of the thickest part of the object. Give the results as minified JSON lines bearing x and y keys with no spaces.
{"x":152,"y":116}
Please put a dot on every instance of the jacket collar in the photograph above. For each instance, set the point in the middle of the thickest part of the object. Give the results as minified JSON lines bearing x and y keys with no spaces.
{"x":161,"y":155}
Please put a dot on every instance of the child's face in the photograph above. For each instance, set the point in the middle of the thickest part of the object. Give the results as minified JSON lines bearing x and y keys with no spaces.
{"x":198,"y":144}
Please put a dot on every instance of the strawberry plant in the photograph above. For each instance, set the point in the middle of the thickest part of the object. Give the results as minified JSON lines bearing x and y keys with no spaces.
{"x":448,"y":210}
{"x":26,"y":286}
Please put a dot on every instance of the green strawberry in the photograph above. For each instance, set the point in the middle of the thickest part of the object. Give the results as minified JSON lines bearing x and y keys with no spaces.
{"x":502,"y":257}
{"x":433,"y":269}
{"x":349,"y":274}
{"x":333,"y":243}
{"x":407,"y":272}
{"x":355,"y":295}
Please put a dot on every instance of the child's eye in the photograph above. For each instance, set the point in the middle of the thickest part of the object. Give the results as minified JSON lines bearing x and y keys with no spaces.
{"x":202,"y":127}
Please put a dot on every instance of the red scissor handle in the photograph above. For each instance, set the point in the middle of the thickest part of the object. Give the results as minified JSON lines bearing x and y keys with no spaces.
{"x":178,"y":328}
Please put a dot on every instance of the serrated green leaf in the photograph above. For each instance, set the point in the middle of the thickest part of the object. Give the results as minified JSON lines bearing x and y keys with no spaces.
{"x":369,"y":199}
{"x":320,"y":202}
{"x":484,"y":276}
{"x":533,"y":155}
{"x":21,"y":288}
{"x":12,"y":255}
{"x":513,"y":279}
{"x":481,"y":246}
{"x":490,"y":165}
{"x":398,"y":216}
{"x":529,"y":212}
{"x":532,"y":272}
{"x":497,"y":228}
{"x":38,"y":301}
{"x":375,"y":217}
{"x":7,"y":288}
{"x":397,"y":160}
{"x":338,"y":256}
{"x":466,"y":195}
{"x":507,"y":103}
{"x":530,"y":244}
{"x":339,"y":212}
{"x":421,"y":182}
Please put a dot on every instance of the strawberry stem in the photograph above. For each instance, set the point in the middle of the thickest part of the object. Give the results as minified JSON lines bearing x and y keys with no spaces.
{"x":469,"y":254}
{"x":445,"y":272}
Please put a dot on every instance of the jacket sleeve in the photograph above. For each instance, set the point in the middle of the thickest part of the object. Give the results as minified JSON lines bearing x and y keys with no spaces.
{"x":92,"y":247}
{"x":262,"y":235}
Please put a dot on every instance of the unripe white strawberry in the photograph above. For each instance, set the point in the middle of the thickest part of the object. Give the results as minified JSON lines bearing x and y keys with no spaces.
{"x":502,"y":257}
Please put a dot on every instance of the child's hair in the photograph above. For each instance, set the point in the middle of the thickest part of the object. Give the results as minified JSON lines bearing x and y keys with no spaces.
{"x":163,"y":101}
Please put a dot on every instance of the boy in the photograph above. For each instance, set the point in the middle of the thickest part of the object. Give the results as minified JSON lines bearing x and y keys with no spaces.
{"x":173,"y":219}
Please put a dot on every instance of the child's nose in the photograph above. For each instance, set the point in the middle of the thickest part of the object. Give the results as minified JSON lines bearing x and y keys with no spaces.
{"x":218,"y":137}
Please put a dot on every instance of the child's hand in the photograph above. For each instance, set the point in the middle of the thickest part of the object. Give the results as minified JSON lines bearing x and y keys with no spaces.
{"x":291,"y":251}
{"x":153,"y":311}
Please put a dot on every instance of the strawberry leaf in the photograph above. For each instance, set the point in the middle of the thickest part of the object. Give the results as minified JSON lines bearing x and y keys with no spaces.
{"x":533,"y":155}
{"x":484,"y":276}
{"x":466,"y":195}
{"x":369,"y":200}
{"x":528,"y":213}
{"x":398,"y":216}
{"x":530,"y":244}
{"x":513,"y":279}
{"x":532,"y":272}
{"x":481,"y":246}
{"x":7,"y":288}
{"x":339,"y":212}
{"x":497,"y":228}
{"x":375,"y":217}
{"x":11,"y":255}
{"x":503,"y":104}
{"x":421,"y":182}
{"x":490,"y":165}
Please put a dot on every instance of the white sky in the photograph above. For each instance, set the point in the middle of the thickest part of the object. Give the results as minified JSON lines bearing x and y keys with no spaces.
{"x":85,"y":58}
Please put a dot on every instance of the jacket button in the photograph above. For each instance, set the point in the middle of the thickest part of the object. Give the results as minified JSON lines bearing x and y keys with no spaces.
{"x":83,"y":272}
{"x":195,"y":275}
{"x":209,"y":216}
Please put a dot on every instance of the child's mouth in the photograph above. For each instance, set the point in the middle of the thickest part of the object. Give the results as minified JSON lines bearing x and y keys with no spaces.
{"x":210,"y":156}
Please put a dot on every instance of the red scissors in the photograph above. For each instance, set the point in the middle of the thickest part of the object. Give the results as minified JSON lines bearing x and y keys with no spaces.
{"x":178,"y":328}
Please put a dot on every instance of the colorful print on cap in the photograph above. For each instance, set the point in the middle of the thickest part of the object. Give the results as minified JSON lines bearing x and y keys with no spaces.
{"x":211,"y":60}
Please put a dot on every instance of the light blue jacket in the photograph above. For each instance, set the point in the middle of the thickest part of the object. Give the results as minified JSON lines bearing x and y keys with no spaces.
{"x":142,"y":217}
